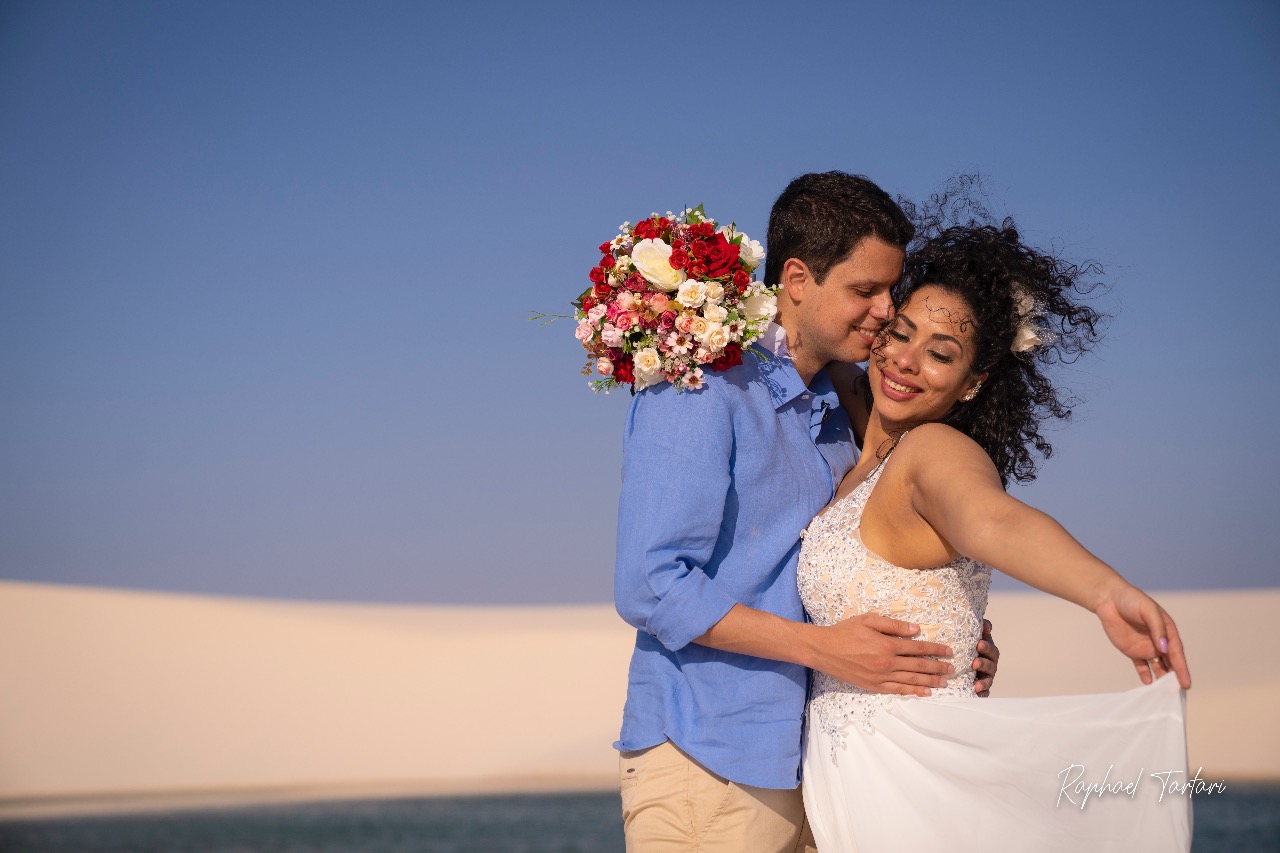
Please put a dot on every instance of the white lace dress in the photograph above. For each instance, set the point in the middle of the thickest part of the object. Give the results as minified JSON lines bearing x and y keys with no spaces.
{"x":954,"y":772}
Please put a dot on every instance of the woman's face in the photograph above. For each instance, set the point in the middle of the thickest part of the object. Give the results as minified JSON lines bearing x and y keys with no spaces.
{"x":920,"y":367}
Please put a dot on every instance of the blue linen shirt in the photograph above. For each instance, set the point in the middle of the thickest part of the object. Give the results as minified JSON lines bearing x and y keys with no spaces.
{"x":716,"y":487}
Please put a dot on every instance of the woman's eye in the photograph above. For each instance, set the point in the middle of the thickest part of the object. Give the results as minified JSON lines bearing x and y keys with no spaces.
{"x":941,"y":357}
{"x":896,"y":335}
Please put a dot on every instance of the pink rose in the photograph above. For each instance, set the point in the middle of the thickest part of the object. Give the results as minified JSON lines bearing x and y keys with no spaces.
{"x":611,"y":336}
{"x":585,"y":331}
{"x":667,"y":321}
{"x":684,"y":323}
{"x":659,"y":301}
{"x":604,"y":367}
{"x":625,"y":320}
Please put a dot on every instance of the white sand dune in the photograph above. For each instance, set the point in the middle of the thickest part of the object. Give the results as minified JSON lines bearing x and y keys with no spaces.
{"x":116,"y":699}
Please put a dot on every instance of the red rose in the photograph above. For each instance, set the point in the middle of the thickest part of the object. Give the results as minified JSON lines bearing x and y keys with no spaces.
{"x":678,"y":260}
{"x":622,"y":371}
{"x":730,"y":356}
{"x":606,"y":248}
{"x":667,"y":321}
{"x":602,"y":290}
{"x":740,"y":277}
{"x":636,"y":283}
{"x":588,"y":303}
{"x":698,"y":271}
{"x":608,"y":262}
{"x":596,"y":275}
{"x":699,"y":249}
{"x":614,"y":353}
{"x":722,"y":257}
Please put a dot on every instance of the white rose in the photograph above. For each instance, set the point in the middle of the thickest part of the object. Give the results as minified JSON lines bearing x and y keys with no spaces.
{"x":691,"y":294}
{"x":652,"y":259}
{"x":699,"y":327}
{"x":751,"y":252}
{"x":760,"y":306}
{"x":714,"y":291}
{"x":648,"y":368}
{"x":715,"y":313}
{"x":648,"y":360}
{"x":716,"y":338}
{"x":626,"y":300}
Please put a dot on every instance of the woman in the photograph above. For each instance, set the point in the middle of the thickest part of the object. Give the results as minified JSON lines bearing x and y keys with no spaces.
{"x":959,"y":393}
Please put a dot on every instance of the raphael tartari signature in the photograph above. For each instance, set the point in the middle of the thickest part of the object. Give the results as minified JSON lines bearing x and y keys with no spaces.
{"x":1077,"y":791}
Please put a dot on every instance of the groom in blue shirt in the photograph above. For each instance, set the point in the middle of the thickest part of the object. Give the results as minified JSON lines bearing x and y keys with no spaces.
{"x":717,"y":486}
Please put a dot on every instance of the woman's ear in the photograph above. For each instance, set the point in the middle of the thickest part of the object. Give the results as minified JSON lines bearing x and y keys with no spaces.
{"x":974,"y":388}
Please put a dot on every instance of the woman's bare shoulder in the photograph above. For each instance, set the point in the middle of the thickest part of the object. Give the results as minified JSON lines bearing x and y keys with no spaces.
{"x":936,"y":445}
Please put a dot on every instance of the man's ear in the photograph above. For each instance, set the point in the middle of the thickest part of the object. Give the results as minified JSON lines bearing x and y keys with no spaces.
{"x":796,"y":278}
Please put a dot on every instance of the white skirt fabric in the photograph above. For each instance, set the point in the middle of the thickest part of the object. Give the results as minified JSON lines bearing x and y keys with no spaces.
{"x":1063,"y":773}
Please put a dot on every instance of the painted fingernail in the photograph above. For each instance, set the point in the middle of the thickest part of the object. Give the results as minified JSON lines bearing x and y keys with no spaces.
{"x":1164,"y":646}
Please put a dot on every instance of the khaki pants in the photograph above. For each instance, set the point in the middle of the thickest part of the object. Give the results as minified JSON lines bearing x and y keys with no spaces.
{"x":672,"y":804}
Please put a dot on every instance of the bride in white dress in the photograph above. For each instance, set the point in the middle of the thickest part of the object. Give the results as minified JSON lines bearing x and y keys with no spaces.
{"x":912,"y":533}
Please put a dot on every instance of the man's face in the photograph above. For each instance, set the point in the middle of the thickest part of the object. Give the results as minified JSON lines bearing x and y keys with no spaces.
{"x":839,"y":318}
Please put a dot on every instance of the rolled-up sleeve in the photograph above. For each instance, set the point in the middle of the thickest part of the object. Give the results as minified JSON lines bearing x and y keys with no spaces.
{"x":677,"y":457}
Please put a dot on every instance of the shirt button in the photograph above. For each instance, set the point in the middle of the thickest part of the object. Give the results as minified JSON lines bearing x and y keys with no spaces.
{"x":804,"y":396}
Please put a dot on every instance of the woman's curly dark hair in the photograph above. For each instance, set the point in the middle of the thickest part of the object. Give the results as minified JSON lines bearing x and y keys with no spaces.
{"x":1007,"y":285}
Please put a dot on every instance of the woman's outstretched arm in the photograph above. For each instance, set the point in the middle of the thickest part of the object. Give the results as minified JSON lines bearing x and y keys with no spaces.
{"x":956,"y":490}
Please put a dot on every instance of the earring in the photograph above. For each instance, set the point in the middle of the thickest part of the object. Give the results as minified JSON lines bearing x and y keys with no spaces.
{"x":967,"y":398}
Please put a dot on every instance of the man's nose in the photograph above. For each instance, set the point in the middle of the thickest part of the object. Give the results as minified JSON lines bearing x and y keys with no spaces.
{"x":882,"y":308}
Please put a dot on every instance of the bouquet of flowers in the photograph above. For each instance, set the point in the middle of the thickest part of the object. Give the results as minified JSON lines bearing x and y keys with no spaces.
{"x":669,"y":296}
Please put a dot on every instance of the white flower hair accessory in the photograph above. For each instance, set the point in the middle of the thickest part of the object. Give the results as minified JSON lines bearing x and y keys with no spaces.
{"x":1028,"y":335}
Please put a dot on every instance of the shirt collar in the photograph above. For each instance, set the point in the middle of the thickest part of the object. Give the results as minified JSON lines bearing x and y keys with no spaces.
{"x":784,"y":382}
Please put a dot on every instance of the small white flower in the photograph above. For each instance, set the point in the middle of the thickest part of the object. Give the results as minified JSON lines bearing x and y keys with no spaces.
{"x":679,"y":343}
{"x":693,"y":380}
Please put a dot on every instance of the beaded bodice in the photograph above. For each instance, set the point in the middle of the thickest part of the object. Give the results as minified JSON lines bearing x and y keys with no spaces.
{"x":839,"y":577}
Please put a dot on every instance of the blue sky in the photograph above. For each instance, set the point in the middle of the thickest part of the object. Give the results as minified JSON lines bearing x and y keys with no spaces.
{"x":265,"y":268}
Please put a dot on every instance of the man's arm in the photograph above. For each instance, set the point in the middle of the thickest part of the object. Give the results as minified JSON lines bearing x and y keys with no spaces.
{"x":868,"y":651}
{"x":676,"y":476}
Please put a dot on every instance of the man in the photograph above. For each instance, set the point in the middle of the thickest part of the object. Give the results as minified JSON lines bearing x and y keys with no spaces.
{"x":717,"y":487}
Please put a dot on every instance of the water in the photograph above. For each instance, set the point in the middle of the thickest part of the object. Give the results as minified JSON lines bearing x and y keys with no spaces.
{"x":1244,"y":818}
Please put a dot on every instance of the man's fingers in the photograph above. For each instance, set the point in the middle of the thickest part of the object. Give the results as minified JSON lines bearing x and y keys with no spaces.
{"x":903,"y":689}
{"x":920,"y":650}
{"x":893,"y":627}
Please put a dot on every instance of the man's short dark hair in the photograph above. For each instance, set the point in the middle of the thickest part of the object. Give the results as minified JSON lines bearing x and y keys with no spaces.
{"x":821,"y":216}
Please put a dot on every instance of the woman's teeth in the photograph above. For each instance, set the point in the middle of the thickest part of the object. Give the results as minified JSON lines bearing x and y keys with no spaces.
{"x":902,"y":389}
